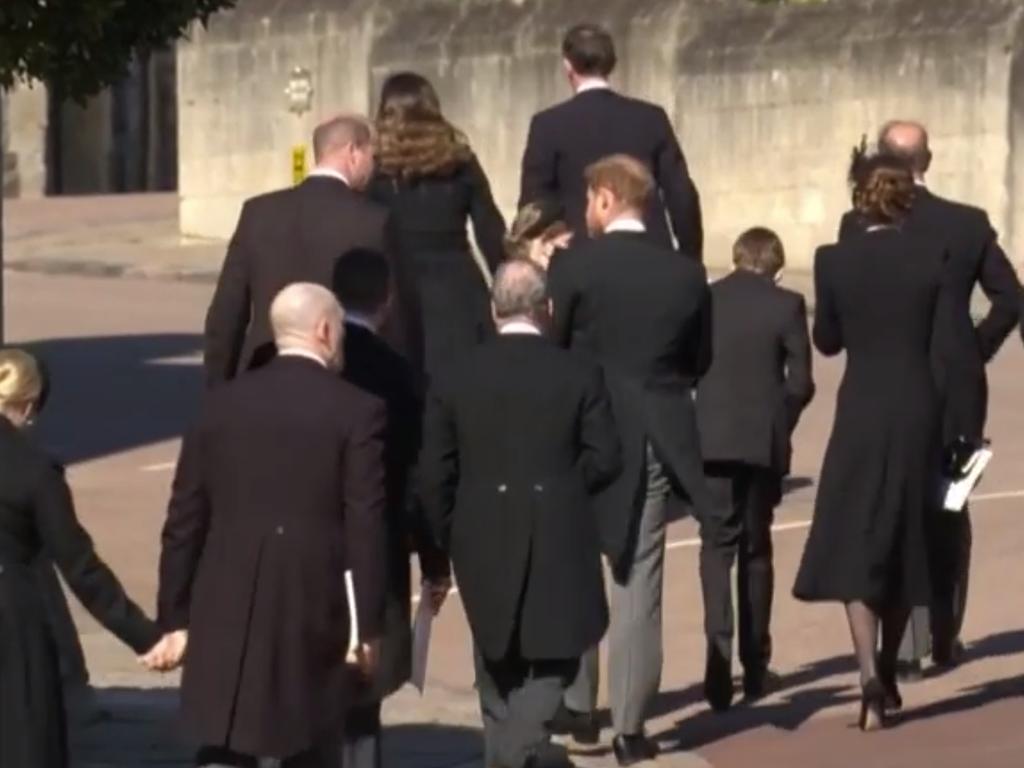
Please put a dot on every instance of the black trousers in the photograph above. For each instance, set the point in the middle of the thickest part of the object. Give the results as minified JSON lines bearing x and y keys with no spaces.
{"x":362,"y":746}
{"x":518,"y":698}
{"x":953,"y":539}
{"x":744,"y":499}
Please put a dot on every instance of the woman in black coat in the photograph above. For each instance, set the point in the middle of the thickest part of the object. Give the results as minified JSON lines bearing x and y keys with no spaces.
{"x":37,"y":515}
{"x":881,"y":298}
{"x":433,"y":184}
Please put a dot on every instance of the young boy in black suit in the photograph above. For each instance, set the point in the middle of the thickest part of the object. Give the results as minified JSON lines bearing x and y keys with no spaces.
{"x":747,"y":407}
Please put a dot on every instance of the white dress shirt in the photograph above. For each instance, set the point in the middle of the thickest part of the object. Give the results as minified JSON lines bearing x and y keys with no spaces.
{"x":300,"y":352}
{"x":593,"y":84}
{"x":361,"y":320}
{"x":520,"y":327}
{"x":330,"y":173}
{"x":625,"y":224}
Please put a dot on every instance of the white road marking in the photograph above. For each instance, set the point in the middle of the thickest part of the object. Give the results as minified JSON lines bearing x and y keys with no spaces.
{"x":797,"y":525}
{"x":162,"y":467}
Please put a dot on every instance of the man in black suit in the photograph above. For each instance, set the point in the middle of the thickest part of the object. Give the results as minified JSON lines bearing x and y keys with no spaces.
{"x":975,"y":259}
{"x":598,"y":122}
{"x":644,"y":315}
{"x":278,"y":499}
{"x":295,"y":235}
{"x":362,"y":280}
{"x":748,"y":405}
{"x":517,"y":437}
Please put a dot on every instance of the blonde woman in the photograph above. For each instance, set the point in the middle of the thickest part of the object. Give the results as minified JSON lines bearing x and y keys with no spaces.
{"x":37,"y":515}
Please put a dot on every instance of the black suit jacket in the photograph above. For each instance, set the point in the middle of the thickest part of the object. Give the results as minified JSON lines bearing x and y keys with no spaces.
{"x":280,"y":489}
{"x":760,"y":380}
{"x":974,"y":259}
{"x":296,"y":235}
{"x":644,"y":315}
{"x":565,"y":139}
{"x":373,"y":366}
{"x":517,"y":436}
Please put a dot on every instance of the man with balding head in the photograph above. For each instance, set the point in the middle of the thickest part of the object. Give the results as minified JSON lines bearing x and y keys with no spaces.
{"x":974,"y":259}
{"x":279,"y":491}
{"x":296,"y":234}
{"x":516,"y":438}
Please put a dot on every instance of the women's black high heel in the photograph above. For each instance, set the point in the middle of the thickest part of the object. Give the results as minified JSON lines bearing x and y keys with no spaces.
{"x":872,"y":706}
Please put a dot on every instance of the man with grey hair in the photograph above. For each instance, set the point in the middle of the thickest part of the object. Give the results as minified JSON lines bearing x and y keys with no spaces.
{"x":277,"y":502}
{"x":296,"y":234}
{"x":974,"y":259}
{"x":516,"y":437}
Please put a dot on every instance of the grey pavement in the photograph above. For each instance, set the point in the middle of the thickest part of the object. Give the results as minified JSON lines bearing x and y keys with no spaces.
{"x":124,"y":354}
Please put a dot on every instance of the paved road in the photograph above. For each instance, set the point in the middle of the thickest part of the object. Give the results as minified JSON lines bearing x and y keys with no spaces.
{"x":124,"y":356}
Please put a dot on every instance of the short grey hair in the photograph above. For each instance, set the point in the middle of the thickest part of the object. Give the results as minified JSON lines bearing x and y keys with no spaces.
{"x":520,"y":290}
{"x":340,"y":131}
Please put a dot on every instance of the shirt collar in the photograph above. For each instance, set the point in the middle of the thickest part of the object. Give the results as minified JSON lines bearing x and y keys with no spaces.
{"x":330,"y":173}
{"x":355,"y":318}
{"x":625,"y":224}
{"x":593,"y":84}
{"x":519,"y":327}
{"x":299,"y":352}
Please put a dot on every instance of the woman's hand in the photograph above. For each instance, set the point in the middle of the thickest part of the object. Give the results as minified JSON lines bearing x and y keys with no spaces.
{"x":168,"y":654}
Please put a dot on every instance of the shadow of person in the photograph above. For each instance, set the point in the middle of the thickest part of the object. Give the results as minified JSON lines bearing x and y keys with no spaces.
{"x":1007,"y":643}
{"x":794,"y":484}
{"x":789,"y":713}
{"x":142,"y":729}
{"x":110,"y":394}
{"x":970,"y":698}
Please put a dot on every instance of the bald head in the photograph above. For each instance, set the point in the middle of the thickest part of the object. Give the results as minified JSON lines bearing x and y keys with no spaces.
{"x":908,"y":140}
{"x":520,"y":292}
{"x":307,"y":317}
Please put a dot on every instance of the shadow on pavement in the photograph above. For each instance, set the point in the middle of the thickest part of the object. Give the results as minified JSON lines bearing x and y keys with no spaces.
{"x":1007,"y":643}
{"x":113,"y":393}
{"x":969,"y":698}
{"x":140,"y":728}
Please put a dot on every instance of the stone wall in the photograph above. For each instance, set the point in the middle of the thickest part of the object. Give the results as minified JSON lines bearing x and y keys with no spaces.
{"x":24,"y":141}
{"x":767,"y":100}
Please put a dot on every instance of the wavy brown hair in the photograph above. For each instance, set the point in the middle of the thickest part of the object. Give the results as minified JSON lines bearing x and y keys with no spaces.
{"x":883,"y":186}
{"x":414,"y":139}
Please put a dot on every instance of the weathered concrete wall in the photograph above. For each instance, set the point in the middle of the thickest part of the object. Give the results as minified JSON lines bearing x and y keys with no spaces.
{"x":24,"y":141}
{"x":767,"y":101}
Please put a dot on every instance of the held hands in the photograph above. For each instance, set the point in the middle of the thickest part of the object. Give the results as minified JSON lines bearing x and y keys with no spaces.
{"x":168,"y":654}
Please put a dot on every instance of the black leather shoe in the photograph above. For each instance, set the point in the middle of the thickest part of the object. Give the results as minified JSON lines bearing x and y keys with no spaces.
{"x":951,"y":658}
{"x":718,"y":688}
{"x":630,"y":750}
{"x":758,"y":685}
{"x":582,"y":726}
{"x":550,"y":756}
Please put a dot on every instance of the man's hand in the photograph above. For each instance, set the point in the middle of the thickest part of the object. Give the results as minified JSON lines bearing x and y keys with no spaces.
{"x":437,"y":592}
{"x":365,"y":659}
{"x":168,"y":654}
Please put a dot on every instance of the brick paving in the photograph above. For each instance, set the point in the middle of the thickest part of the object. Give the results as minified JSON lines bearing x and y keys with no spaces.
{"x":125,"y":357}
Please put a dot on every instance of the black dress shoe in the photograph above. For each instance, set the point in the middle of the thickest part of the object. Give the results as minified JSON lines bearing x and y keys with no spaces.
{"x":582,"y":726}
{"x":718,"y":688}
{"x":758,"y":685}
{"x":950,"y":658}
{"x":549,"y":756}
{"x":630,"y":750}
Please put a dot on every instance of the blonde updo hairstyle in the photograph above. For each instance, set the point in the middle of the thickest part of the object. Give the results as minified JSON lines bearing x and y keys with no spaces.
{"x":21,"y":380}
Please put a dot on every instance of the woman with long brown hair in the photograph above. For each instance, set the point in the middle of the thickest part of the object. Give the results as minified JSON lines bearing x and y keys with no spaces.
{"x":881,"y":297}
{"x":429,"y":177}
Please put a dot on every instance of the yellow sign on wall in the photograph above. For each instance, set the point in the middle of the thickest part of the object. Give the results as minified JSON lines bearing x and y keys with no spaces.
{"x":298,"y":163}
